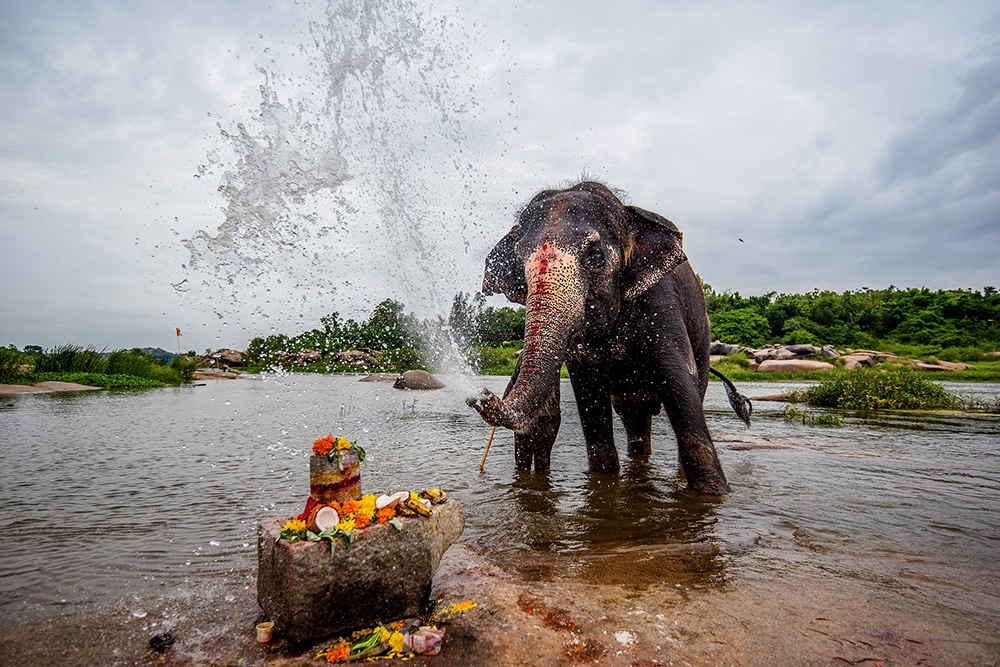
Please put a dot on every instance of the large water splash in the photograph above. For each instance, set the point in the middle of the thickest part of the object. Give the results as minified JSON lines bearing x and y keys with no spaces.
{"x":348,"y":184}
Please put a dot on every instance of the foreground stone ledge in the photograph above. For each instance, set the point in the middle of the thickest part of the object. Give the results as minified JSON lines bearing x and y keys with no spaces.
{"x":386,"y":574}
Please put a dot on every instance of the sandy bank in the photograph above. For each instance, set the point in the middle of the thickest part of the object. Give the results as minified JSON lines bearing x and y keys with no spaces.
{"x":44,"y":387}
{"x":214,"y":374}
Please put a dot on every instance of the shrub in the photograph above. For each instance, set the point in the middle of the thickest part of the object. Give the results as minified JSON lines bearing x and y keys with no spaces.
{"x":71,"y":359}
{"x":967,"y":354}
{"x":122,"y":362}
{"x":403,"y":359}
{"x":10,"y":361}
{"x":875,"y":389}
{"x":799,"y":337}
{"x":744,"y":327}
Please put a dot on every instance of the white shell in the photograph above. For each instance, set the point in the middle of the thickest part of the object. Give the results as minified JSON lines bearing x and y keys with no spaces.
{"x":326,"y":517}
{"x":384,"y":501}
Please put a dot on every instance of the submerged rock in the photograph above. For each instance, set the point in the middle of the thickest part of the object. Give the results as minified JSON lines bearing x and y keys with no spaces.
{"x":386,"y":574}
{"x":417,"y":380}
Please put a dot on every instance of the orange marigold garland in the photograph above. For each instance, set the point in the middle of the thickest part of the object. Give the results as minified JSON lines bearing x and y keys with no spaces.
{"x":350,"y":506}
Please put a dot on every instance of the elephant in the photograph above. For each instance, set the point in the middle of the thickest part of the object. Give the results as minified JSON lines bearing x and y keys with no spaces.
{"x":609,"y":292}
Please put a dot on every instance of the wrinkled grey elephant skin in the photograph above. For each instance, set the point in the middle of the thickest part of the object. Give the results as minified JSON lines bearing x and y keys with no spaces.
{"x":608,"y":290}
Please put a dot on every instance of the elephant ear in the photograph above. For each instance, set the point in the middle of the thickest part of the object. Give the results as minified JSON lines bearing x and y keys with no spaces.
{"x":504,"y":271}
{"x":653,"y":250}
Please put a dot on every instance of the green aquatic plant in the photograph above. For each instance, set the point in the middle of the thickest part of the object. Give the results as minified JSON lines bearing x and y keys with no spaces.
{"x":880,"y":389}
{"x":791,"y":413}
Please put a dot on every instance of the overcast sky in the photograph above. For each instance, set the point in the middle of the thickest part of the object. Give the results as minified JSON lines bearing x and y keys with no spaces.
{"x":241,"y":168}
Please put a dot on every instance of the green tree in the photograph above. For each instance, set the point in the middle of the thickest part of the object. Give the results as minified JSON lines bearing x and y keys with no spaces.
{"x":744,"y":327}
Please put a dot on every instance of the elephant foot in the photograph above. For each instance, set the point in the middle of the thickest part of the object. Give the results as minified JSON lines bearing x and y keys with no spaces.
{"x":605,"y":464}
{"x":710,"y":487}
{"x":639,"y":447}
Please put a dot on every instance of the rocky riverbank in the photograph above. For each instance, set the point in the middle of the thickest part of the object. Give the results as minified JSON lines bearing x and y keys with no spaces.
{"x":805,"y":358}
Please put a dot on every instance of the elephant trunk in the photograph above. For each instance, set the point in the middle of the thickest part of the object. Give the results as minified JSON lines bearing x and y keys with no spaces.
{"x":554,"y":309}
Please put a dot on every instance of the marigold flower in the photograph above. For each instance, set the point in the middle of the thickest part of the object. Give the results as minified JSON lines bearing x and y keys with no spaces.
{"x":338,"y":652}
{"x":350,"y":506}
{"x":324,"y":445}
{"x":343,"y":443}
{"x":384,"y":515}
{"x":368,"y":504}
{"x":396,"y":642}
{"x":347,"y":525}
{"x":362,"y":520}
{"x":383,"y":635}
{"x":294,"y":525}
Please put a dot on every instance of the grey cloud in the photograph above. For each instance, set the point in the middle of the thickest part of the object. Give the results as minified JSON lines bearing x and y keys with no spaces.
{"x":971,"y":124}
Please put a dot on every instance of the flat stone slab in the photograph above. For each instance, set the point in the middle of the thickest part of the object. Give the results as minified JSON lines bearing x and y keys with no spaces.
{"x":793,"y":366}
{"x":386,"y":574}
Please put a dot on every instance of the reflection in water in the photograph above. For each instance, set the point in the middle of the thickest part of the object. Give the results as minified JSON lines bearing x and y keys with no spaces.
{"x":148,"y":494}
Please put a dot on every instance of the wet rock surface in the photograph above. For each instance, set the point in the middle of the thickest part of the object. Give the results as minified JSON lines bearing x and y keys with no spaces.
{"x":777,"y":618}
{"x":386,"y":573}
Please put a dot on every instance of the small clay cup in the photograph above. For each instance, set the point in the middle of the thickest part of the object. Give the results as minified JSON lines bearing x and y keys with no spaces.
{"x":264,"y":632}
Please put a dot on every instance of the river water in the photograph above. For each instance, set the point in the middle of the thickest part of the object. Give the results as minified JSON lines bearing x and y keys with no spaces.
{"x":139,"y":500}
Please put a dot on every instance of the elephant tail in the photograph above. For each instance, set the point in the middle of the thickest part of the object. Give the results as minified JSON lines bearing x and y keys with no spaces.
{"x":741,"y":404}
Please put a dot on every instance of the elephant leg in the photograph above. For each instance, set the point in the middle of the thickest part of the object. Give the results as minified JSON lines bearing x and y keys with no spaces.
{"x":593,"y":400}
{"x":534,"y":442}
{"x":524,"y":447}
{"x":637,"y":417}
{"x":696,"y":450}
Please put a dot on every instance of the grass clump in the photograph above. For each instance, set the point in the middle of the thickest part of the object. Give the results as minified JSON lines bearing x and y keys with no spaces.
{"x":879,"y":389}
{"x":93,"y":380}
{"x":791,"y":413}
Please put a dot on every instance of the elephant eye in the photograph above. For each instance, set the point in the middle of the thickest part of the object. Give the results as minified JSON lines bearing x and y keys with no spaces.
{"x":594,"y":258}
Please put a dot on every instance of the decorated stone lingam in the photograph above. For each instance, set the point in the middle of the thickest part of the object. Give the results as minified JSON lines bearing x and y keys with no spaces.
{"x":335,"y":470}
{"x":350,"y":560}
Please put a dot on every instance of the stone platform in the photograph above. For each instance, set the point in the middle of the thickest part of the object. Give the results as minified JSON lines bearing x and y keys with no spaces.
{"x":385,"y":575}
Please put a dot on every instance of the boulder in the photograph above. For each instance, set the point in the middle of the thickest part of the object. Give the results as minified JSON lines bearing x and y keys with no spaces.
{"x":942,"y":366}
{"x":385,"y":575}
{"x":829,"y":351}
{"x":792,"y":366}
{"x":723,"y":349}
{"x":417,"y":380}
{"x":803,"y":350}
{"x":225,"y":356}
{"x":379,"y":377}
{"x":856,"y":359}
{"x":358,"y":358}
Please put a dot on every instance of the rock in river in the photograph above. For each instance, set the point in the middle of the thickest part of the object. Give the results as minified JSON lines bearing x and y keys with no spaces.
{"x":417,"y":380}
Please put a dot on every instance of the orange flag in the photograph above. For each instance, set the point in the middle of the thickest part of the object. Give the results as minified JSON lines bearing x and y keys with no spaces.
{"x":178,"y":331}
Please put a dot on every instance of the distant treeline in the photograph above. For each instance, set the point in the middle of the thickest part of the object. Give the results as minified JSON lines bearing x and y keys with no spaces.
{"x":471,"y":322}
{"x":864,"y":318}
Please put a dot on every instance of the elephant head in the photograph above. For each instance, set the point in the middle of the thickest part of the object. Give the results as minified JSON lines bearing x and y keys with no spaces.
{"x":573,"y":258}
